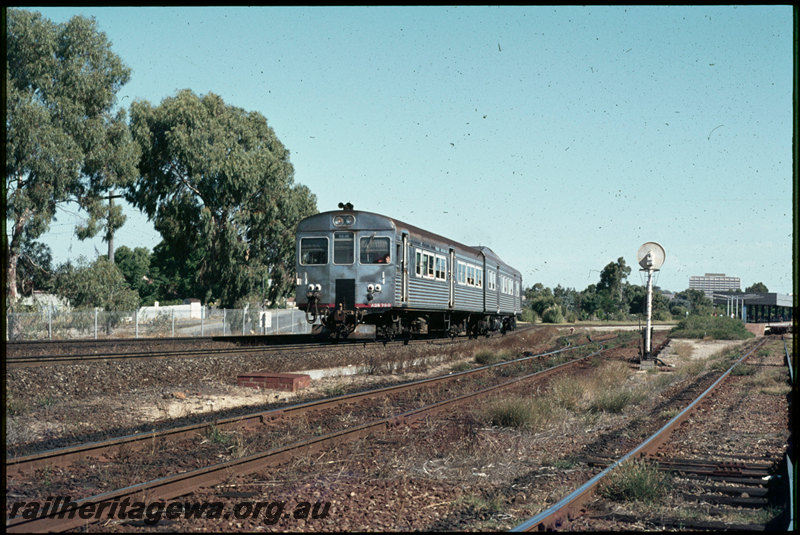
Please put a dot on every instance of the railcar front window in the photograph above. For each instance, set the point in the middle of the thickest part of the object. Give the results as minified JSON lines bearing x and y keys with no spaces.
{"x":374,"y":250}
{"x":343,"y":247}
{"x":313,"y":251}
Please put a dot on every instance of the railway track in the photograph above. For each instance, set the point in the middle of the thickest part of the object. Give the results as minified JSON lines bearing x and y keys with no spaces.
{"x":179,"y":484}
{"x":254,"y":345}
{"x":700,"y":475}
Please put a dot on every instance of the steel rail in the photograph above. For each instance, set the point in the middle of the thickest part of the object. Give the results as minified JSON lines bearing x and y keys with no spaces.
{"x":181,"y":484}
{"x":550,"y":518}
{"x":68,"y":454}
{"x":32,"y":362}
{"x":25,"y":361}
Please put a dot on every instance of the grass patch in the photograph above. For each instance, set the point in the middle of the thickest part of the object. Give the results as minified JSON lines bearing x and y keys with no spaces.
{"x":335,"y":390}
{"x":479,"y":504}
{"x":45,"y":402}
{"x":14,"y":406}
{"x":780,"y":390}
{"x":615,"y":401}
{"x":461,"y":367}
{"x":520,"y":413}
{"x":485,"y":357}
{"x":694,"y":368}
{"x":682,"y":350}
{"x":636,"y":481}
{"x":743,"y":369}
{"x":606,"y":390}
{"x":566,"y":392}
{"x":216,"y":436}
{"x":711,"y":327}
{"x":669,"y":414}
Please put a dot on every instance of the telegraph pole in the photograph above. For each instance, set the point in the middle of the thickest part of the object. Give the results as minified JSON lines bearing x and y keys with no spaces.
{"x":110,"y":231}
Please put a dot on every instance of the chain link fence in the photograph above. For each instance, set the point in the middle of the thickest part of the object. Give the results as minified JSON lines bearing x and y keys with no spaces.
{"x":58,"y":324}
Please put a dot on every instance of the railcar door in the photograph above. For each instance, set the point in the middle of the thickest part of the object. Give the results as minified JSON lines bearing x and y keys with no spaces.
{"x":452,"y":279}
{"x":404,"y":272}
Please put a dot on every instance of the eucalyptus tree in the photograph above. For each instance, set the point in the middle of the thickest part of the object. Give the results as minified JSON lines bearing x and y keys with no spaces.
{"x":217,"y":182}
{"x":63,"y":141}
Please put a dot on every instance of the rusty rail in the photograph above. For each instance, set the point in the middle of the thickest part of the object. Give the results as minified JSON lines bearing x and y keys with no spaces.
{"x":570,"y":504}
{"x":69,"y":454}
{"x":181,"y":484}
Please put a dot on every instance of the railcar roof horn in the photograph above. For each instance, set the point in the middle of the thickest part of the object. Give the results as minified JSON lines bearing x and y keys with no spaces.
{"x":346,"y":205}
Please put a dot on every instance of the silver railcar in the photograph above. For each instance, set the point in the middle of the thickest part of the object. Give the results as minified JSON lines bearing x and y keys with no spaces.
{"x":366,"y":275}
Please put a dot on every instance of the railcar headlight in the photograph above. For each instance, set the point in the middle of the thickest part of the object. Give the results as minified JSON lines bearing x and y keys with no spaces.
{"x":370,"y":288}
{"x":377,"y":288}
{"x":310,"y":287}
{"x":343,"y":220}
{"x":318,"y":287}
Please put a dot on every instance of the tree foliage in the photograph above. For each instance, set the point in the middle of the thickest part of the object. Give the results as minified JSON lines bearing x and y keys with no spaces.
{"x":134,"y":264}
{"x":695,"y":301}
{"x":62,"y":141}
{"x":612,"y":298}
{"x":96,"y":285}
{"x":218,"y":185}
{"x":34,"y":270}
{"x":757,"y":288}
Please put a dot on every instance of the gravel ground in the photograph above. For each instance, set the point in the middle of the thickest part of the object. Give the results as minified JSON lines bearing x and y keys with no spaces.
{"x":55,"y":406}
{"x":452,"y":472}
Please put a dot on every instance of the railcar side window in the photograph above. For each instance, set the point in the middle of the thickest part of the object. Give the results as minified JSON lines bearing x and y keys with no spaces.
{"x":424,"y":264}
{"x":374,"y":250}
{"x":430,"y":265}
{"x":470,"y":275}
{"x":313,"y":251}
{"x":441,"y":268}
{"x":343,"y":247}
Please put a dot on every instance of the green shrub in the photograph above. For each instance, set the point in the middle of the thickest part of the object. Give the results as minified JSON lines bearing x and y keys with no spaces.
{"x":716,"y":327}
{"x":552,"y":314}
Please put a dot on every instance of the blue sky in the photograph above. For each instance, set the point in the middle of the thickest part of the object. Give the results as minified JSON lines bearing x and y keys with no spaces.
{"x":562,"y":137}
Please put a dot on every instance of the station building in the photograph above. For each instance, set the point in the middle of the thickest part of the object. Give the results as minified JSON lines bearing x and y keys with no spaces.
{"x":711,"y":283}
{"x":757,"y":308}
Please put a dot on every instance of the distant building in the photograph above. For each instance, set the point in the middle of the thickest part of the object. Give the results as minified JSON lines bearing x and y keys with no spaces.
{"x":45,"y":300}
{"x":714,"y":282}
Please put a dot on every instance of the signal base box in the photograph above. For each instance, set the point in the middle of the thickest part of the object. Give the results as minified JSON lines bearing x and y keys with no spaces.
{"x":287,"y":382}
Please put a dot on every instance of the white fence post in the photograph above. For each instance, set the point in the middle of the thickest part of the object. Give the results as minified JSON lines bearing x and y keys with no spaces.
{"x":95,"y":323}
{"x":50,"y":322}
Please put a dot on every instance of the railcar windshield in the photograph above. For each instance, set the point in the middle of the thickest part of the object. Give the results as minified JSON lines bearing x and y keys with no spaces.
{"x":374,"y":250}
{"x":313,"y":251}
{"x":343,"y":247}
